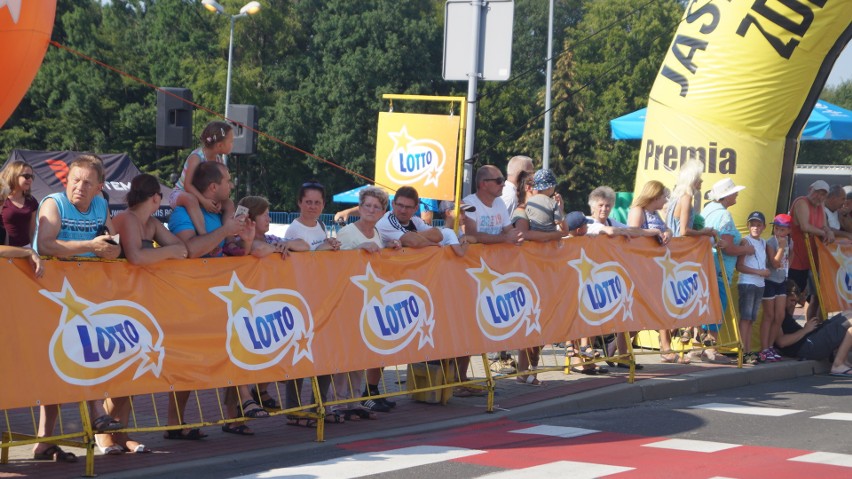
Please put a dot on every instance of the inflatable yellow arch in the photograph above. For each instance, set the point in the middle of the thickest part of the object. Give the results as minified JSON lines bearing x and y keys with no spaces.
{"x":735,"y":91}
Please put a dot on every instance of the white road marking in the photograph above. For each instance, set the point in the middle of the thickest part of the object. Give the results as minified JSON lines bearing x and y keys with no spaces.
{"x":836,"y":416}
{"x":574,"y":470}
{"x":360,"y":465}
{"x":825,"y":458}
{"x":742,"y":409}
{"x":555,"y":431}
{"x":691,"y":445}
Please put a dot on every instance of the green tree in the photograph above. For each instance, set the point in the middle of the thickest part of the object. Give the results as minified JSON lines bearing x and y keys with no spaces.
{"x":610,"y":60}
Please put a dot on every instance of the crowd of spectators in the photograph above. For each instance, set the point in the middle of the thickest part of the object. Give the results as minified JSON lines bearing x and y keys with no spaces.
{"x":522,"y":206}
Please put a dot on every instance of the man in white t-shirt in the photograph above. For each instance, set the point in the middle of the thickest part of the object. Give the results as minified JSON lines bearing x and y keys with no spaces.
{"x":490,"y":222}
{"x":516,"y":165}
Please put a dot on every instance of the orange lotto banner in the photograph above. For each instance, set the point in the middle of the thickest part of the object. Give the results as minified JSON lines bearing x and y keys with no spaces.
{"x":94,"y":329}
{"x":835,"y":276}
{"x":418,"y":150}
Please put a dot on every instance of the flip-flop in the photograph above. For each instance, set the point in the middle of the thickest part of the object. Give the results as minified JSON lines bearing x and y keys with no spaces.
{"x":241,"y":430}
{"x":301,"y":421}
{"x":845,"y":374}
{"x":55,"y":454}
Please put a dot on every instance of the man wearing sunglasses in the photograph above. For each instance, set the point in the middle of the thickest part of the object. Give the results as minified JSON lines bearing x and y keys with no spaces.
{"x":489,"y":223}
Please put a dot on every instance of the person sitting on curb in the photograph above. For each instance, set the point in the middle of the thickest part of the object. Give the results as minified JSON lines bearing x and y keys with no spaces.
{"x":817,"y":340}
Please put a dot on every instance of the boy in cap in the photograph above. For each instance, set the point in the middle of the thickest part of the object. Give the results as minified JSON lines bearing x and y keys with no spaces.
{"x":753,"y":271}
{"x":775,"y":292}
{"x":544,"y":209}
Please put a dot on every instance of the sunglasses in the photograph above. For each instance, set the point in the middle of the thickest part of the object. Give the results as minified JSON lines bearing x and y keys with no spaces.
{"x":312,"y":184}
{"x":499,"y":180}
{"x":27,"y":176}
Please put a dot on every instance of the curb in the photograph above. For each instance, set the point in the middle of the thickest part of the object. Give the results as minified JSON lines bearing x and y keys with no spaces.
{"x":606,"y":397}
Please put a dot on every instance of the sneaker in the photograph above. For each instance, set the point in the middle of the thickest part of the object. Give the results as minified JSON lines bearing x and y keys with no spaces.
{"x":387,"y":402}
{"x":765,"y":356}
{"x":375,"y":406}
{"x":777,"y":354}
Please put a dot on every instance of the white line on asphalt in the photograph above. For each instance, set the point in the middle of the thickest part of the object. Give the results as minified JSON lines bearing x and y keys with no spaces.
{"x":825,"y":458}
{"x":692,"y":445}
{"x":742,"y":409}
{"x":574,"y":470}
{"x":360,"y":465}
{"x":555,"y":431}
{"x":836,"y":416}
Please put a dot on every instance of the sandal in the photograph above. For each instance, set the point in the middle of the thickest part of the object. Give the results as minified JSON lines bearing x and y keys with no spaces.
{"x":269,"y":402}
{"x":56,"y":454}
{"x":570,"y":352}
{"x":530,"y":380}
{"x":253,"y":412}
{"x":358,"y":413}
{"x":193,"y":434}
{"x":334,"y":417}
{"x":301,"y":421}
{"x":685,"y":335}
{"x":241,"y":430}
{"x":106,"y":423}
{"x":588,"y":352}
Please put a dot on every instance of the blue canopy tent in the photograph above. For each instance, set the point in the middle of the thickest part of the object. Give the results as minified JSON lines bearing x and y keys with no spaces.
{"x":826,"y":122}
{"x":351,"y":196}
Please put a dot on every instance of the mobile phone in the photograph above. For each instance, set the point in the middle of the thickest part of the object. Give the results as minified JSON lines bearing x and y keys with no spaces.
{"x":240,"y":211}
{"x":102,"y":230}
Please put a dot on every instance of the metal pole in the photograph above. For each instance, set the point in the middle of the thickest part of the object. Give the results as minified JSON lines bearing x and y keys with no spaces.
{"x":472,"y":79}
{"x":545,"y":154}
{"x":230,"y":60}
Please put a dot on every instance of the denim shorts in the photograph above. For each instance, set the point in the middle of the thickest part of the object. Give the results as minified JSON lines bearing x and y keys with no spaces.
{"x":773,"y":290}
{"x":750,"y":297}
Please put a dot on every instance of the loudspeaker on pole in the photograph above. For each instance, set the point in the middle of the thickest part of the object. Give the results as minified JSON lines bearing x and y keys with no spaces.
{"x":174,"y":118}
{"x":245,"y":140}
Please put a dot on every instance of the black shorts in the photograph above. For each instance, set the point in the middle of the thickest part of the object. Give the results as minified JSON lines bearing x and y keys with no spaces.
{"x":772,"y":290}
{"x":821,"y":343}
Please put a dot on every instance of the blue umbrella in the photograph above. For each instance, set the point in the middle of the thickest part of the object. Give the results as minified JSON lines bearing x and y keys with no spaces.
{"x":351,"y":196}
{"x":826,"y":122}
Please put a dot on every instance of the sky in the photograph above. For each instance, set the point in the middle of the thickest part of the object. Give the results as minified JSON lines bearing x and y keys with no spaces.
{"x":842,"y":68}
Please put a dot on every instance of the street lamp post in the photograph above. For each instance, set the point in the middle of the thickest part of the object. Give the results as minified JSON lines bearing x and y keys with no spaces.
{"x":248,"y":9}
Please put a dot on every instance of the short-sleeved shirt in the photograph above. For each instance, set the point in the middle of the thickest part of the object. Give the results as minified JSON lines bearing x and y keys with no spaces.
{"x":489,"y":219}
{"x":719,"y":218}
{"x":16,"y":221}
{"x":313,"y":235}
{"x":77,"y":225}
{"x":391,"y":229}
{"x":596,"y":228}
{"x":351,"y":237}
{"x":780,"y":274}
{"x":510,"y":196}
{"x":180,"y":221}
{"x":543,"y":212}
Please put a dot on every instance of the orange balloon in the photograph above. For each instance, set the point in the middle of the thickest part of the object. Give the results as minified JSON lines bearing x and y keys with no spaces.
{"x":25,"y":27}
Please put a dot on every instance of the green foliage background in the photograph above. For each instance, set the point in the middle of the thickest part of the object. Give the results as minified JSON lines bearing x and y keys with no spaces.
{"x":317,"y":70}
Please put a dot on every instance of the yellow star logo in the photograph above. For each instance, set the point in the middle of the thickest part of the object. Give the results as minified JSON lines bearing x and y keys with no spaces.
{"x":484,"y":276}
{"x":401,"y":139}
{"x":584,"y":266}
{"x":235,"y":295}
{"x":72,"y":305}
{"x":667,"y":264}
{"x":371,"y":284}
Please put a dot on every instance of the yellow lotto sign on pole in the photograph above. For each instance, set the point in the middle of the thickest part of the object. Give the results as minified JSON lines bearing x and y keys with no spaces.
{"x":735,"y":90}
{"x":417,"y":150}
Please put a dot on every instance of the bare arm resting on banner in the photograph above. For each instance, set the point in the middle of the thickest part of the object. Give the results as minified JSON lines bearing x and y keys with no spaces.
{"x":430,"y":237}
{"x":15,"y":252}
{"x":50,"y":222}
{"x":801,"y":215}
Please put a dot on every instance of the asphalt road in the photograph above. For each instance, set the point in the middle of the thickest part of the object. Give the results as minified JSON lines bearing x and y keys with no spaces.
{"x":793,"y":428}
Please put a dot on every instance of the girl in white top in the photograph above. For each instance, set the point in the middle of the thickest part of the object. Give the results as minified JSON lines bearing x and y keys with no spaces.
{"x":217,"y":140}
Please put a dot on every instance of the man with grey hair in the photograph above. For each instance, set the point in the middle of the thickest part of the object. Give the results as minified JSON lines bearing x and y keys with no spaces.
{"x":833,"y":202}
{"x":516,"y":165}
